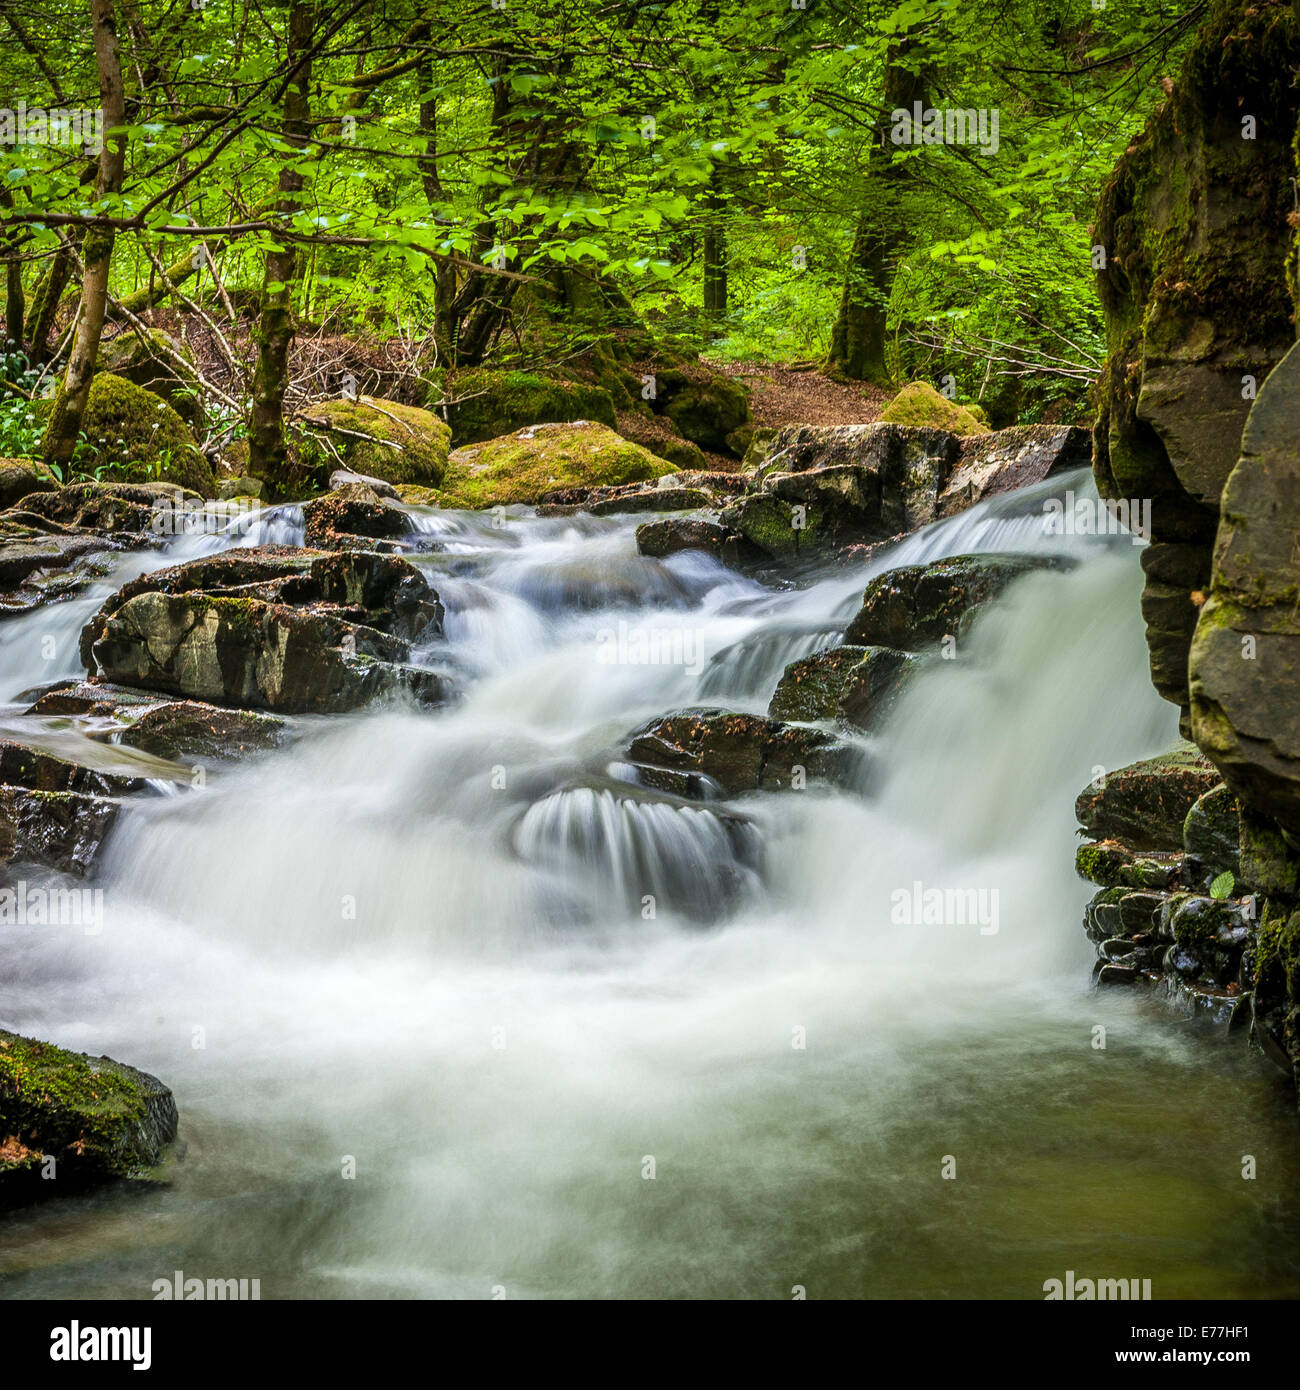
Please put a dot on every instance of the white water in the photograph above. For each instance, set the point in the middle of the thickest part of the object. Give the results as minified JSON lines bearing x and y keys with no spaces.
{"x":419,"y":940}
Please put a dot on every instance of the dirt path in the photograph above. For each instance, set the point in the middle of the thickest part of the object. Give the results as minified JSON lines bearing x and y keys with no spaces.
{"x":797,"y":396}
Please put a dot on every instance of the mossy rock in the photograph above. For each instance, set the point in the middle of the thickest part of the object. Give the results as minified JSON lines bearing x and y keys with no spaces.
{"x":521,"y":467}
{"x":489,"y":404}
{"x":140,"y":436}
{"x":149,"y":360}
{"x":708,"y":408}
{"x":19,"y":478}
{"x":378,"y":438}
{"x":918,"y":403}
{"x":95,"y":1117}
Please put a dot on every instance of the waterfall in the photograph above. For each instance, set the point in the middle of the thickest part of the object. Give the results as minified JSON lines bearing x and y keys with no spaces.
{"x":419,"y":942}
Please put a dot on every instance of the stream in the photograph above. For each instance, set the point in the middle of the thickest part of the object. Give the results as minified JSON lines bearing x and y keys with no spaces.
{"x":453,"y":1009}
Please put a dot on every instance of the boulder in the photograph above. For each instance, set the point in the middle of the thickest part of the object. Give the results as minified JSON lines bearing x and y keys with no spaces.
{"x":19,"y":477}
{"x":273,"y":629}
{"x":708,"y":408}
{"x":524,"y":467}
{"x":188,"y":731}
{"x":96,"y":1118}
{"x":693,"y":750}
{"x":53,"y":830}
{"x":382,"y":439}
{"x":340,"y":518}
{"x":486,"y":404}
{"x":992,"y":463}
{"x":659,"y":539}
{"x":917,"y":605}
{"x":872,"y":687}
{"x":1212,"y":830}
{"x":139,"y":436}
{"x":159,"y":363}
{"x":810,"y":689}
{"x":919,"y":404}
{"x":1147,"y":803}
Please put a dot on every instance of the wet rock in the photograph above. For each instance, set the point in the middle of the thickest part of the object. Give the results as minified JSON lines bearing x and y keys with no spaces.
{"x":39,"y":771}
{"x":872,"y":687}
{"x":348,"y":512}
{"x":1146,"y":804}
{"x":773,"y":527}
{"x":188,"y":731}
{"x":92,"y":697}
{"x":659,"y":539}
{"x":917,"y":605}
{"x":271,"y":628}
{"x":1267,"y":864}
{"x":1114,"y":974}
{"x":96,"y":1118}
{"x":810,"y":689}
{"x":739,"y":752}
{"x":1211,"y":832}
{"x":112,"y":510}
{"x":53,"y":830}
{"x":989,"y":464}
{"x":653,"y":500}
{"x":1113,"y":865}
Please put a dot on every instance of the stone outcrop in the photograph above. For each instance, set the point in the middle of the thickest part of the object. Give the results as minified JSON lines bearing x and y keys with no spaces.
{"x":1194,"y":229}
{"x":271,"y":629}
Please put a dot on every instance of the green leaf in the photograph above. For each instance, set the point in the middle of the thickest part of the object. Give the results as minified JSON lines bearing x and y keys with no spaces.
{"x":1223,"y":885}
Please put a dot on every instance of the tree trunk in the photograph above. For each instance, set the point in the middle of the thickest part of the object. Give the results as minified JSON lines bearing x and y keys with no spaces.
{"x":97,"y":249}
{"x":15,"y":305}
{"x":444,"y":288}
{"x":858,"y":339}
{"x":267,"y":452}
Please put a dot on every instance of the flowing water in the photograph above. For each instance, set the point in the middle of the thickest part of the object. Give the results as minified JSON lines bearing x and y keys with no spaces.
{"x":453,"y":1008}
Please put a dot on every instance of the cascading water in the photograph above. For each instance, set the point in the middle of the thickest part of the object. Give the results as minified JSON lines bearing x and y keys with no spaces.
{"x":415,"y":947}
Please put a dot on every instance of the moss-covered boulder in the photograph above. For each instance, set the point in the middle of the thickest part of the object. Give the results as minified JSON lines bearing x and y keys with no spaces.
{"x":139,"y":436}
{"x":158,"y":362}
{"x":382,"y":439}
{"x":486,"y":404}
{"x":1191,"y":240}
{"x":810,"y":688}
{"x":522,"y":467}
{"x":19,"y":478}
{"x":95,"y":1118}
{"x":706,"y":407}
{"x":918,"y":403}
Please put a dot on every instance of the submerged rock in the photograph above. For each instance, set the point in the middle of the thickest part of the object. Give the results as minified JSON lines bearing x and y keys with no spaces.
{"x":737,"y":753}
{"x":917,"y":605}
{"x":97,"y":1119}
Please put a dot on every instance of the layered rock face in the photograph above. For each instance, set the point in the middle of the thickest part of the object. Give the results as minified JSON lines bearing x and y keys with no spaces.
{"x":1200,"y":413}
{"x":1194,"y":229}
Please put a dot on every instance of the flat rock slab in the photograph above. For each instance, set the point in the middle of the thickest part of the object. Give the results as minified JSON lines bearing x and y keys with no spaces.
{"x":1145,"y":805}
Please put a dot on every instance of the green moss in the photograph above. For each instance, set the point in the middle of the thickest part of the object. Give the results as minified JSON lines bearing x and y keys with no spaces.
{"x":918,"y":403}
{"x":490,"y":404}
{"x":57,"y":1102}
{"x":138,"y":436}
{"x":521,"y":467}
{"x":381,"y":439}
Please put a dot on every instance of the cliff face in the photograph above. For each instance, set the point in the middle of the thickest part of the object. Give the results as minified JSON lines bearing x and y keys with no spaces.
{"x":1200,"y":413}
{"x":1194,"y":229}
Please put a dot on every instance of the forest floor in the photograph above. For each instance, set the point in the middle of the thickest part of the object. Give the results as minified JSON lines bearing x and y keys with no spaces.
{"x":803,"y":396}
